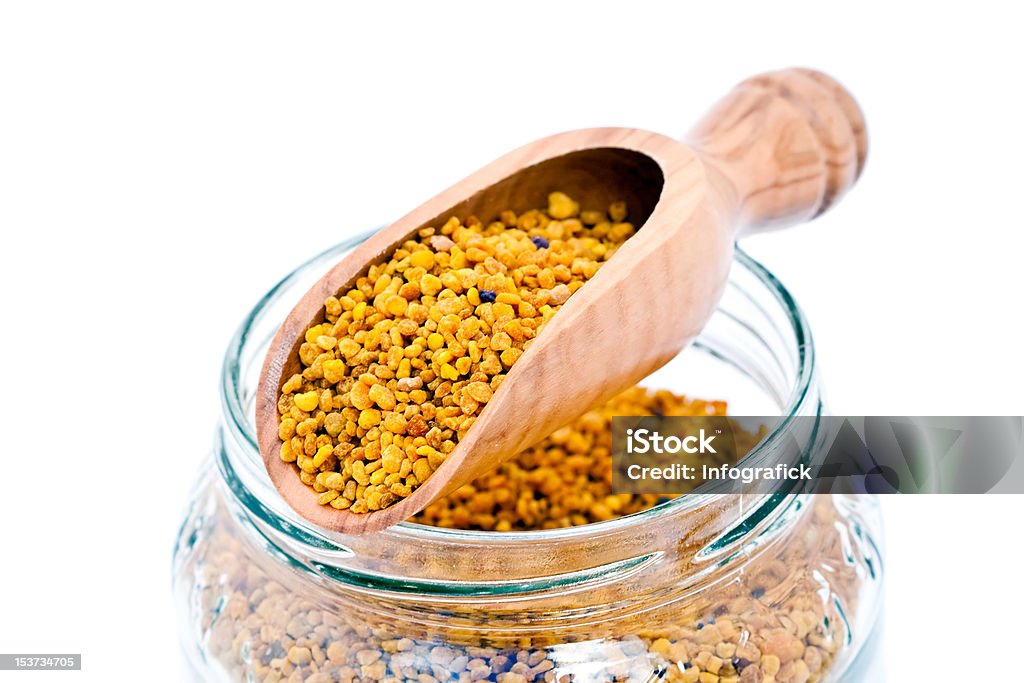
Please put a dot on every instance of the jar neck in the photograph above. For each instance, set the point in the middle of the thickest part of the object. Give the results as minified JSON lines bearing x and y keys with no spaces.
{"x":695,"y":538}
{"x":688,"y":541}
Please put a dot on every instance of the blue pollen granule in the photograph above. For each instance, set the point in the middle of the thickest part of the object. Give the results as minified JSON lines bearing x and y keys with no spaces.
{"x":540,"y":242}
{"x":488,"y":296}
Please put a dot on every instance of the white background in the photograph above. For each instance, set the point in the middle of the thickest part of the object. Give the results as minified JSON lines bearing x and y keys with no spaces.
{"x":162,"y":164}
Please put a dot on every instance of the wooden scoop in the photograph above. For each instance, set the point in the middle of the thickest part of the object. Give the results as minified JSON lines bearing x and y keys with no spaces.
{"x":780,"y":149}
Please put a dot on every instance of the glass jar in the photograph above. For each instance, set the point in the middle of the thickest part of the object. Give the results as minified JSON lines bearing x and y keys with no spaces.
{"x":699,"y":588}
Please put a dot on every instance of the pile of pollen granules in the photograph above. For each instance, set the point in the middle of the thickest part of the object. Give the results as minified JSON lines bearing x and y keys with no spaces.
{"x":408,"y":358}
{"x":566,"y":479}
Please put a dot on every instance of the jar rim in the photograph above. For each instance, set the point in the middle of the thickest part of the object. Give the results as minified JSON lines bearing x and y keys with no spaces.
{"x":241,"y":425}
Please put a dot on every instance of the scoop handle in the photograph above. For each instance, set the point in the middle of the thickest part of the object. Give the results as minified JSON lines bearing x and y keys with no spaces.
{"x":785,"y":146}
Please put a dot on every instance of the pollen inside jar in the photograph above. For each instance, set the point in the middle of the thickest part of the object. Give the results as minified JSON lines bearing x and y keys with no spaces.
{"x":406,"y":360}
{"x":566,"y":479}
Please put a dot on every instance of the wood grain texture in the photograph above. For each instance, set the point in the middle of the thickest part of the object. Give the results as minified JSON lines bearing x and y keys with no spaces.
{"x":780,"y":149}
{"x":790,"y":143}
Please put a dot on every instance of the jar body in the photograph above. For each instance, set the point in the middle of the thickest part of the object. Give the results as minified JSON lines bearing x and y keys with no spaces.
{"x":806,"y":596}
{"x":701,"y":588}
